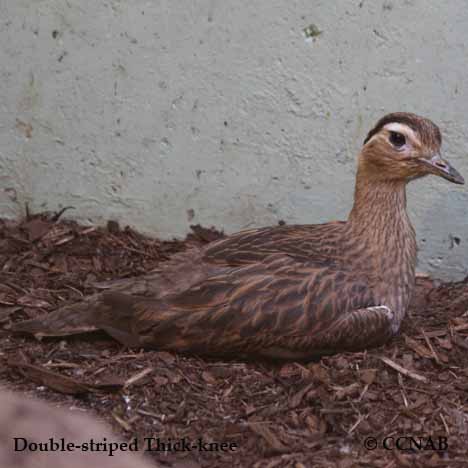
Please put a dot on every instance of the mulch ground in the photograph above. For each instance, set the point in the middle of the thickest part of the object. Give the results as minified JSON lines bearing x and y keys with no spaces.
{"x":319,"y":414}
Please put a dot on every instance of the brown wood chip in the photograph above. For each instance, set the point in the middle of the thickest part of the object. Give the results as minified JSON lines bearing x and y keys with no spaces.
{"x":56,"y":381}
{"x":274,"y":443}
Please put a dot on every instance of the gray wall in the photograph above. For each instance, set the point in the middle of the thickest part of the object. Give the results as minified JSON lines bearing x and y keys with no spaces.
{"x":166,"y":113}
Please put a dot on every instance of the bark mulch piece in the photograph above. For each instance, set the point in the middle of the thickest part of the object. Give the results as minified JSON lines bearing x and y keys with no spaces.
{"x":317,"y":414}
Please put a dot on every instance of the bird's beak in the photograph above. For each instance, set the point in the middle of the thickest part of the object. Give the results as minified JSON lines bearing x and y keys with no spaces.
{"x":438,"y":166}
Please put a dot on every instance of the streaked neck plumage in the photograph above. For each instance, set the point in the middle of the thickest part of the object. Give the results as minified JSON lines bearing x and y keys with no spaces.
{"x":379,"y":212}
{"x":379,"y":224}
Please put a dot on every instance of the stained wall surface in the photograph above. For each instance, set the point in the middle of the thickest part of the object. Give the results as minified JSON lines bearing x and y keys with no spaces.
{"x":161,"y":114}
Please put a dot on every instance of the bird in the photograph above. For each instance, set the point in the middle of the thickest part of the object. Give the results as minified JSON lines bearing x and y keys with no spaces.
{"x":288,"y":292}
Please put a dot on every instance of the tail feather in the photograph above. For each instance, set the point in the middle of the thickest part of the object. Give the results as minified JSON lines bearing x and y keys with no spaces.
{"x":111,"y":312}
{"x":68,"y":320}
{"x":112,"y":309}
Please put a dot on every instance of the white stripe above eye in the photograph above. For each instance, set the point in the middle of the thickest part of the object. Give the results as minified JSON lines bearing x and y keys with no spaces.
{"x":404,"y":129}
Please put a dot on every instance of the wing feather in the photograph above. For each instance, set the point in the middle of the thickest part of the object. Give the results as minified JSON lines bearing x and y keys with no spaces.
{"x":247,"y":309}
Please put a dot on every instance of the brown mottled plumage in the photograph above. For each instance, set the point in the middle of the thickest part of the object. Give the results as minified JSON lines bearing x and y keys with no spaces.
{"x":291,"y":292}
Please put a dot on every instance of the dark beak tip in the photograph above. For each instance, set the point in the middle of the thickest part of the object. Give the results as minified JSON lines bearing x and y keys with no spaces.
{"x":456,"y":177}
{"x":444,"y":169}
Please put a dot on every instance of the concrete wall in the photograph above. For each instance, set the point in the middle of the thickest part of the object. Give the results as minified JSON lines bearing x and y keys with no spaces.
{"x":164,"y":113}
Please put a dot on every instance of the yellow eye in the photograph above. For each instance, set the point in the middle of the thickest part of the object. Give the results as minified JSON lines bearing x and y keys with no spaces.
{"x":397,"y":139}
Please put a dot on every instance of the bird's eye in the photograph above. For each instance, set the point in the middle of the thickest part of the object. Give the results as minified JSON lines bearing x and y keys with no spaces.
{"x":397,"y":139}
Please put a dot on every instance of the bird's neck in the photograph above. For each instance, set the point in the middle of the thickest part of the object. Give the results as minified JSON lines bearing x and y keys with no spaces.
{"x":378,"y":217}
{"x":383,"y":240}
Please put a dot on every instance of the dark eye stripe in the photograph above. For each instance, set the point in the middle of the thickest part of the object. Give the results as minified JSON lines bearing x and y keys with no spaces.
{"x":397,"y":139}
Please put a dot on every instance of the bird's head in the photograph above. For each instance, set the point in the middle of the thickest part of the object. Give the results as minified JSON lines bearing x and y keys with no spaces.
{"x":403,"y":147}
